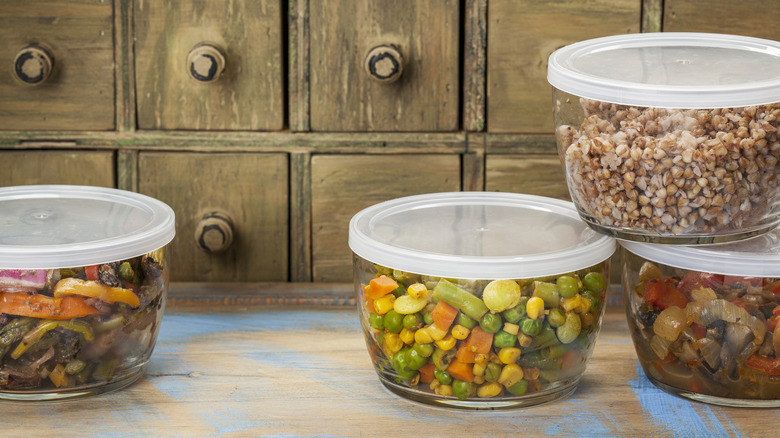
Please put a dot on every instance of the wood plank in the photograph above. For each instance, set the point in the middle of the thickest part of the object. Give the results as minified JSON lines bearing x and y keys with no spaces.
{"x":95,"y":168}
{"x":298,"y":56}
{"x":755,"y":18}
{"x":251,"y":188}
{"x":474,"y":64}
{"x":300,"y":217}
{"x":531,"y":174}
{"x":344,"y":185}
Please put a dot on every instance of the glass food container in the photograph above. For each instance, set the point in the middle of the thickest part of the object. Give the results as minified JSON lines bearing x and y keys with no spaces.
{"x":83,"y":279}
{"x":704,"y":319}
{"x":670,"y":137}
{"x":479,"y":300}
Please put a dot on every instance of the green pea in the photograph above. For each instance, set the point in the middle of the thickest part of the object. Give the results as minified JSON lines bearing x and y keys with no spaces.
{"x":556,"y":318}
{"x":491,"y":322}
{"x":465,"y":321}
{"x":443,"y":358}
{"x":518,"y":388}
{"x":569,"y":331}
{"x":425,"y":350}
{"x":492,"y":371}
{"x":442,"y":376}
{"x":427,"y":318}
{"x":413,"y":321}
{"x":503,"y":339}
{"x":380,"y":338}
{"x":376,"y":321}
{"x":394,"y":321}
{"x":415,"y":360}
{"x":516,"y":313}
{"x":401,"y":365}
{"x":531,"y":327}
{"x":567,"y":286}
{"x":594,"y":282}
{"x":463,"y":390}
{"x":595,"y":301}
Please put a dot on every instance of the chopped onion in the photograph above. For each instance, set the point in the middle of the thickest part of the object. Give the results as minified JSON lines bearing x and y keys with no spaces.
{"x":670,"y":322}
{"x":730,"y":312}
{"x":660,"y":346}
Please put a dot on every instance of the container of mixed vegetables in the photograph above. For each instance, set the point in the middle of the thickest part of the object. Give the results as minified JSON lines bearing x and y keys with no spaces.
{"x":704,"y":319}
{"x":83,"y":279}
{"x":479,"y":300}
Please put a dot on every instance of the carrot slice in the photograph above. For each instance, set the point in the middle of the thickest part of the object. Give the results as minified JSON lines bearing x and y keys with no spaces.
{"x":380,"y":286}
{"x":426,"y":373}
{"x":481,"y":340}
{"x":461,"y":371}
{"x":41,"y":306}
{"x":443,"y":315}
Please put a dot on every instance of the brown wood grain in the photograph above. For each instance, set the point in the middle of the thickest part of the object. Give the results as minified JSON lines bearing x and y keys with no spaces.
{"x":79,"y":95}
{"x":251,"y":188}
{"x":756,"y":18}
{"x":248,"y":96}
{"x":344,"y":98}
{"x":530,"y":174}
{"x":95,"y":168}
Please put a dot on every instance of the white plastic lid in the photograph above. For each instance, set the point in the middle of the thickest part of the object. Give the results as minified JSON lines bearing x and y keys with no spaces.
{"x":670,"y":70}
{"x":477,"y":235}
{"x":59,"y":226}
{"x":754,"y":257}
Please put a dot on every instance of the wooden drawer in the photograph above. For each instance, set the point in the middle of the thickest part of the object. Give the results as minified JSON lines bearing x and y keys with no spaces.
{"x":179,"y":41}
{"x":521,"y":36}
{"x":423,"y":43}
{"x":344,"y":185}
{"x":250,"y":189}
{"x":94,"y":168}
{"x":756,"y":18}
{"x":73,"y":42}
{"x":531,"y":174}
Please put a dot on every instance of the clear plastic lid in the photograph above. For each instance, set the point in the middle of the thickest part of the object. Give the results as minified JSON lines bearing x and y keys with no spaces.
{"x":477,"y":235}
{"x":754,"y":257}
{"x":671,"y":70}
{"x":58,"y":226}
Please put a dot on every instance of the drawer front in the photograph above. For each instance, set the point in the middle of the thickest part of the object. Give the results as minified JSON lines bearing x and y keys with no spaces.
{"x":756,"y":18}
{"x":384,"y":66}
{"x":521,"y":36}
{"x":344,"y":185}
{"x":236,"y":205}
{"x":209,"y":65}
{"x":530,"y":174}
{"x":56,"y":65}
{"x":57,"y":167}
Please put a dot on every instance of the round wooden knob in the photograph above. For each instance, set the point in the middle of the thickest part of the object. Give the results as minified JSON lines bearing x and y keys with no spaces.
{"x":214,"y":232}
{"x":384,"y":64}
{"x":33,"y":65}
{"x":206,"y":62}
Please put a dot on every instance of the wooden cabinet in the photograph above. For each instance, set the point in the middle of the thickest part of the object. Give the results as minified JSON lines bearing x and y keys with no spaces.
{"x":384,"y":66}
{"x":533,"y":174}
{"x":209,"y":65}
{"x":756,"y":18}
{"x":95,"y":168}
{"x":56,"y":65}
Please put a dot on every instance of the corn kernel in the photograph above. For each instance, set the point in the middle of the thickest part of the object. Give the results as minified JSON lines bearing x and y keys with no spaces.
{"x":407,"y":336}
{"x":510,"y":374}
{"x":510,"y":328}
{"x":393,"y":342}
{"x":434,"y":384}
{"x":481,"y":358}
{"x":493,"y":357}
{"x":489,"y":390}
{"x":584,"y":306}
{"x":534,"y":308}
{"x":417,"y":290}
{"x":524,"y":340}
{"x":447,"y":343}
{"x":459,"y":332}
{"x":479,"y":368}
{"x":569,"y":304}
{"x":384,"y":304}
{"x":479,"y":380}
{"x":436,"y":333}
{"x":444,"y":390}
{"x":422,"y":336}
{"x":509,"y":355}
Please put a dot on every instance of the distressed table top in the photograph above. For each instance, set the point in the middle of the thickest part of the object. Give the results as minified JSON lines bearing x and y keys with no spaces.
{"x":279,"y":361}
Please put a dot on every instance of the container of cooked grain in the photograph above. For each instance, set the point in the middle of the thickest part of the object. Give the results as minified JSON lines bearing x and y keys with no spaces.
{"x":670,"y":137}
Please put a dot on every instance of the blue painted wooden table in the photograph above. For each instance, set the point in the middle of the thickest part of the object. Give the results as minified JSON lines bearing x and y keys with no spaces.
{"x":295,"y":364}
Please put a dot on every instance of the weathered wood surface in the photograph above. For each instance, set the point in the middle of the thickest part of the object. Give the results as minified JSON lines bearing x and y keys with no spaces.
{"x":532,"y":174}
{"x":756,"y":18}
{"x":250,"y":369}
{"x":94,"y":168}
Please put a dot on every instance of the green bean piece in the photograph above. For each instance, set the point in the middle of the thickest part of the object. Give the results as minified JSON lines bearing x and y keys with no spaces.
{"x":443,"y":358}
{"x":75,"y":366}
{"x":381,"y":270}
{"x":465,"y":321}
{"x":127,"y":273}
{"x":443,"y":376}
{"x":425,"y":350}
{"x":545,"y":338}
{"x":405,"y":278}
{"x":35,"y":334}
{"x":104,"y":372}
{"x":377,"y":322}
{"x":594,"y":282}
{"x":557,"y":350}
{"x":567,"y":286}
{"x":548,"y":292}
{"x":414,"y":360}
{"x":491,"y":322}
{"x":394,"y":322}
{"x":114,"y":322}
{"x":556,"y":318}
{"x":463,"y":390}
{"x":492,"y":371}
{"x":413,"y":321}
{"x":503,"y":339}
{"x":460,"y":299}
{"x":535,"y":359}
{"x":400,"y":290}
{"x":518,"y":388}
{"x":516,"y":313}
{"x":569,"y":331}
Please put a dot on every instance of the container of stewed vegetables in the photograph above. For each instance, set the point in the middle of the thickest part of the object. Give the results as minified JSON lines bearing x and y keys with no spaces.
{"x":671,"y":137}
{"x":479,"y":300}
{"x":83,"y":278}
{"x":704,"y":319}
